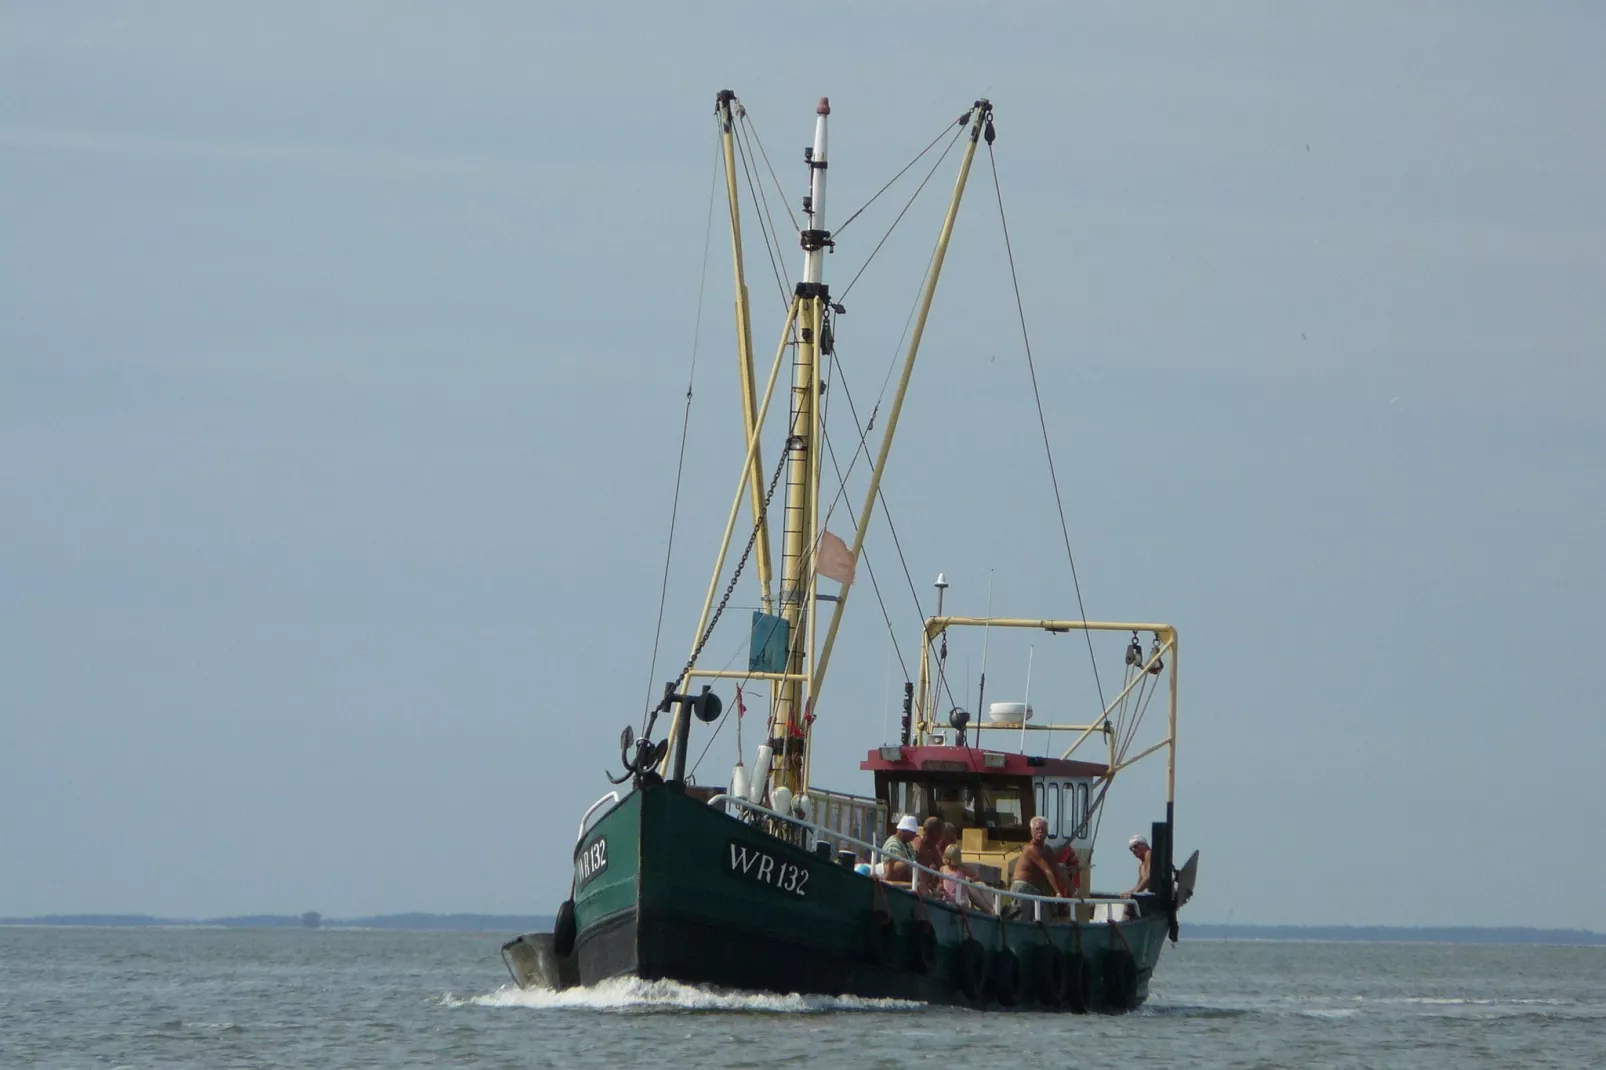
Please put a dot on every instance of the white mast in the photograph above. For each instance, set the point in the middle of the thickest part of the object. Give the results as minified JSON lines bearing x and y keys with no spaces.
{"x":814,"y":207}
{"x":803,"y":473}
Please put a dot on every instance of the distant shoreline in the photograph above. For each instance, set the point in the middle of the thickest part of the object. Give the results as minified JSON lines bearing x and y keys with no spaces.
{"x":514,"y":924}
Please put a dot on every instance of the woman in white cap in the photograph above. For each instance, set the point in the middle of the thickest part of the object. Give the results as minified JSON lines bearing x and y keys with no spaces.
{"x":1140,"y":850}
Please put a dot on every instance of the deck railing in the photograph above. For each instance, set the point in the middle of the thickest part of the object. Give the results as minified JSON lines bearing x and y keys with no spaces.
{"x":997,"y":895}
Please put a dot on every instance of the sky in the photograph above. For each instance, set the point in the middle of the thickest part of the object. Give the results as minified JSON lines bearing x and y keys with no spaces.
{"x":343,"y":359}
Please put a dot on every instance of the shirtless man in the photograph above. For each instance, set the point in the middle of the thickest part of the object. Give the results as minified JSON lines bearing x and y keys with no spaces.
{"x":1140,"y":850}
{"x":928,"y":852}
{"x":1036,"y":872}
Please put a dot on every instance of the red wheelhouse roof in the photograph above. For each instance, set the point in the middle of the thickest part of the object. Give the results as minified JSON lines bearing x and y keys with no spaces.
{"x":894,"y":759}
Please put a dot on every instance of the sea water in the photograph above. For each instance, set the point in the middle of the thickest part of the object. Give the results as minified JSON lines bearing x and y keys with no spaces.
{"x":279,"y":998}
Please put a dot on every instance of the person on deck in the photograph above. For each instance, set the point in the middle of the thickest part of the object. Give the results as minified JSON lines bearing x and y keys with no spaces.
{"x":928,"y":852}
{"x":1036,"y":872}
{"x":960,"y":895}
{"x":898,"y":851}
{"x":1140,"y":850}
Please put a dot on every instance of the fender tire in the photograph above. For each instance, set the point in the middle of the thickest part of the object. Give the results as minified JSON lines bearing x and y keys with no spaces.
{"x":1004,"y":977}
{"x":564,"y":930}
{"x":881,"y":938}
{"x":1048,"y":977}
{"x":1120,"y":982}
{"x":920,"y":942}
{"x":970,"y":968}
{"x":1079,"y":992}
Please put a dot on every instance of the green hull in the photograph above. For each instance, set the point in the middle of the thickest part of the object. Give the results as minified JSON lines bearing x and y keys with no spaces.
{"x":667,"y":887}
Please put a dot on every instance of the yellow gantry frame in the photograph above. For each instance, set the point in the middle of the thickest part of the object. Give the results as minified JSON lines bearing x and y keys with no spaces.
{"x":1164,"y":633}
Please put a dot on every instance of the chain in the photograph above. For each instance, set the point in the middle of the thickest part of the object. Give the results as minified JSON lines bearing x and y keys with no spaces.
{"x":730,"y":588}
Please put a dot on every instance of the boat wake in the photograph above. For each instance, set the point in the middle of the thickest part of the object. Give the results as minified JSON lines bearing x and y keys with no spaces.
{"x":632,"y":995}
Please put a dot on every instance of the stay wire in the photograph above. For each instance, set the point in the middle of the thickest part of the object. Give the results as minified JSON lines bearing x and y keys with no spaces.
{"x":886,"y":513}
{"x":685,"y":426}
{"x":885,"y":615}
{"x":909,"y":204}
{"x":780,"y":193}
{"x":900,"y":174}
{"x":1042,"y":422}
{"x":782,"y":283}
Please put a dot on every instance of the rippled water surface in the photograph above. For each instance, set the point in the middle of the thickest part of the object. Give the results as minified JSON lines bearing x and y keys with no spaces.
{"x":233,"y":998}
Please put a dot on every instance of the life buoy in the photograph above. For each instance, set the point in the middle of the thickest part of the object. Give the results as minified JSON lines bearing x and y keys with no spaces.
{"x":881,"y":938}
{"x":920,"y":940}
{"x":564,"y":930}
{"x":1005,"y":971}
{"x":970,"y":968}
{"x":1120,"y":981}
{"x":1048,"y":976}
{"x":1078,"y":982}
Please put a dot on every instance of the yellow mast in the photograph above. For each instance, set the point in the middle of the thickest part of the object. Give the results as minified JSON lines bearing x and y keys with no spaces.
{"x":789,"y":738}
{"x":728,"y":108}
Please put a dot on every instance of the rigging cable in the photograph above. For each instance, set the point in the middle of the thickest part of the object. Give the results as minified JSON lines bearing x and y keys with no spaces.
{"x":765,"y":224}
{"x":900,"y":174}
{"x":780,"y":193}
{"x":1042,"y":421}
{"x":918,"y":190}
{"x":685,"y":425}
{"x":886,"y":513}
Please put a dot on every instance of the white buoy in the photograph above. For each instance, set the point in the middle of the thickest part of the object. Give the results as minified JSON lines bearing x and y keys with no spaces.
{"x":738,"y":788}
{"x":781,"y":800}
{"x":802,"y":806}
{"x":761,"y":774}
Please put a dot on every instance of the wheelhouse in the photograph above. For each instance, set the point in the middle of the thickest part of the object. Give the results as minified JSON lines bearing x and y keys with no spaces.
{"x":990,"y":797}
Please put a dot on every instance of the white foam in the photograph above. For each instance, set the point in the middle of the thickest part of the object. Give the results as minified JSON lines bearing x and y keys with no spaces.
{"x":630,"y":994}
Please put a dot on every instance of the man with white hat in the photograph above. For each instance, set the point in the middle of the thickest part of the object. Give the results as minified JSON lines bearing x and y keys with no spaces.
{"x":899,"y":851}
{"x":1140,"y":850}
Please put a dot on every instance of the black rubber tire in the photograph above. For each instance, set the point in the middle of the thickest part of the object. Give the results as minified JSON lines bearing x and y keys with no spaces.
{"x":1120,"y":982}
{"x":920,"y":943}
{"x":1048,"y":977}
{"x":1078,"y":982}
{"x":881,"y":938}
{"x":1004,"y":977}
{"x":970,"y":968}
{"x":564,"y":930}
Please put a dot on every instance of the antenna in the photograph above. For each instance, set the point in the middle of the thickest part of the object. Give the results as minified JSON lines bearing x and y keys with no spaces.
{"x":1026,"y":713}
{"x":986,"y":629}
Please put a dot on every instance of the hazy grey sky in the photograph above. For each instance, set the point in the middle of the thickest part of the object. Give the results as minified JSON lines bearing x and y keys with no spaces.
{"x":342,"y":356}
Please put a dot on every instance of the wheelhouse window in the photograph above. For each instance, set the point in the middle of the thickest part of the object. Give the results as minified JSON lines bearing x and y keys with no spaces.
{"x":999,"y":805}
{"x":1053,"y":815}
{"x":1003,"y":806}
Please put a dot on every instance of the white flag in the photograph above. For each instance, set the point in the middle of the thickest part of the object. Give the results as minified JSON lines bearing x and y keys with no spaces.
{"x":834,"y":561}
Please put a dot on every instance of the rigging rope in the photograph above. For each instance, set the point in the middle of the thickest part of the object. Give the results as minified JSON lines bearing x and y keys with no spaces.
{"x":685,"y":425}
{"x":765,"y":224}
{"x":961,"y":123}
{"x":780,"y":193}
{"x":918,"y":190}
{"x":1042,"y":422}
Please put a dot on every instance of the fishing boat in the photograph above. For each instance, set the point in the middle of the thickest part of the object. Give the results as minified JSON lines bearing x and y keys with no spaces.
{"x":778,"y":881}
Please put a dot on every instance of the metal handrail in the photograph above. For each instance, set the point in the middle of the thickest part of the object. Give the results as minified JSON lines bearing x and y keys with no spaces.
{"x":997,"y":893}
{"x":612,"y":796}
